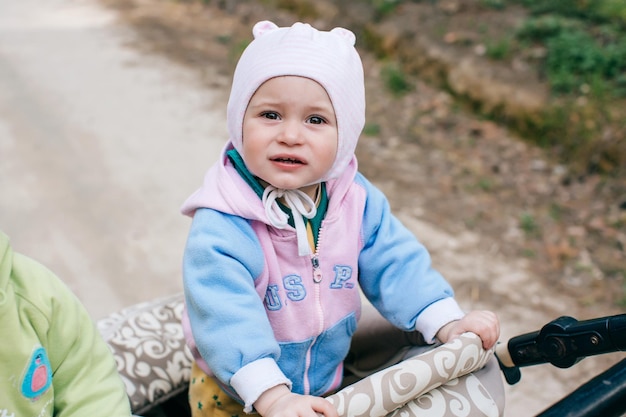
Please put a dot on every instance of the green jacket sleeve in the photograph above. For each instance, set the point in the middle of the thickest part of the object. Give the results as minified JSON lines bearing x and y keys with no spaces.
{"x":85,"y":379}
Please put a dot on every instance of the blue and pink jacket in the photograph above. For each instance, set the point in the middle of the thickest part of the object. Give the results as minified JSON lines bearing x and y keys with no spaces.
{"x":259,"y":315}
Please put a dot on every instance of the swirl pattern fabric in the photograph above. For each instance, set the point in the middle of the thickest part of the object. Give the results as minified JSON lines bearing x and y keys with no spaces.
{"x":149,"y":347}
{"x":154,"y":362}
{"x":436,"y":383}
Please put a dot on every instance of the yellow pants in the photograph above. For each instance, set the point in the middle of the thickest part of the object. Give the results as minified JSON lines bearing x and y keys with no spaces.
{"x":206,"y":398}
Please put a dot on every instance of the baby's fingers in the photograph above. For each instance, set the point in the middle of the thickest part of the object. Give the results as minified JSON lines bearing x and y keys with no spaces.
{"x":485,"y":324}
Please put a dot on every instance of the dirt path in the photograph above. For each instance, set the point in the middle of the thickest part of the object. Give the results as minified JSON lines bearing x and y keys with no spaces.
{"x":90,"y":180}
{"x":460,"y":183}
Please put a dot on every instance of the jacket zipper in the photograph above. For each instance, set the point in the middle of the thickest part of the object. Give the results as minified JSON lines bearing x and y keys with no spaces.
{"x":317,"y":272}
{"x":317,"y":279}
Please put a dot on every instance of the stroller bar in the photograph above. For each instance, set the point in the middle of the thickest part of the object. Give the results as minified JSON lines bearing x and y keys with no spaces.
{"x":602,"y":396}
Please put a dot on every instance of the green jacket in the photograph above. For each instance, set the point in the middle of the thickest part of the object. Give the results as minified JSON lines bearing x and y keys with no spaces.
{"x":53,"y":361}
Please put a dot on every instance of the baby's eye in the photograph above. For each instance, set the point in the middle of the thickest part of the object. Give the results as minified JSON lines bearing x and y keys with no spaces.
{"x":316,"y":120}
{"x":270,"y":115}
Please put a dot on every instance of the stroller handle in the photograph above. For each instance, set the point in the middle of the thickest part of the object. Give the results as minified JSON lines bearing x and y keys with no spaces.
{"x":562,"y":342}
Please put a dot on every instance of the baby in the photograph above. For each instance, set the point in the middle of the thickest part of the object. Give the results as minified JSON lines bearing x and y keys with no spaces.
{"x":286,"y":233}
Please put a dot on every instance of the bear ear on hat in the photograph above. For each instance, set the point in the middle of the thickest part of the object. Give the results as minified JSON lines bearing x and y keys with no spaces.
{"x":262,"y":27}
{"x":345,"y":34}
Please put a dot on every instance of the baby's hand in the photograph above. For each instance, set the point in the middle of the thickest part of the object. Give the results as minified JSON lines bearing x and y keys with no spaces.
{"x":484,"y":323}
{"x":281,"y":402}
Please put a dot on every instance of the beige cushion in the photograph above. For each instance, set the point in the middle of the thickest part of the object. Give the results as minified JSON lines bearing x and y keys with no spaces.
{"x":149,"y":347}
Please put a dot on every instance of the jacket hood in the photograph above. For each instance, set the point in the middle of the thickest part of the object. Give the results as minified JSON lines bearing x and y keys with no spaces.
{"x":224,"y":190}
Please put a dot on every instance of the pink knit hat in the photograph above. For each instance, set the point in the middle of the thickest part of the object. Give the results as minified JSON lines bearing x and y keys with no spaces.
{"x":301,"y":50}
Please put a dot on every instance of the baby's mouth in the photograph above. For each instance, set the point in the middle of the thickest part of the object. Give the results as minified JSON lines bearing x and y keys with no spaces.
{"x":287,"y":160}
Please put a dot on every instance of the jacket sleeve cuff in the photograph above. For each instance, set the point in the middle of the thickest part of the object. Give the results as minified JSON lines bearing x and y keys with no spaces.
{"x":437,"y":315}
{"x":255,"y":378}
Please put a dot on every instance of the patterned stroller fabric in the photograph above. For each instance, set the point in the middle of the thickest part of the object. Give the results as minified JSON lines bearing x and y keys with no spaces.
{"x":438,"y":382}
{"x":450,"y":380}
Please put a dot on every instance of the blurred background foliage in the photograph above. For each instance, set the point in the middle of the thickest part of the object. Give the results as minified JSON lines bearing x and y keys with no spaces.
{"x":585,"y":43}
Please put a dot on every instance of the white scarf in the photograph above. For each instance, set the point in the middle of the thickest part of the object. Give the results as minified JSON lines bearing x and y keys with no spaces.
{"x":299,"y":203}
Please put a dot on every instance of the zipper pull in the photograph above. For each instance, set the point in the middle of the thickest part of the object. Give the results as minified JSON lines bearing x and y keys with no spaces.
{"x":317,"y":272}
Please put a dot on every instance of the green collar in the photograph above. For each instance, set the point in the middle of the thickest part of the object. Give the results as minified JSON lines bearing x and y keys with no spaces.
{"x":254,"y":183}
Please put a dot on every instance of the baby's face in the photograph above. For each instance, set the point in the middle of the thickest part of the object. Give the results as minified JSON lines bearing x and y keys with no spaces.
{"x":290,"y":133}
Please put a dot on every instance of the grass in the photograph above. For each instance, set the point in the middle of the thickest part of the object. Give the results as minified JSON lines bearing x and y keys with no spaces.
{"x":371,"y":129}
{"x":528,"y":224}
{"x":485,"y":184}
{"x":499,"y":49}
{"x":395,"y":80}
{"x":585,"y":67}
{"x":384,"y":7}
{"x":580,"y":53}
